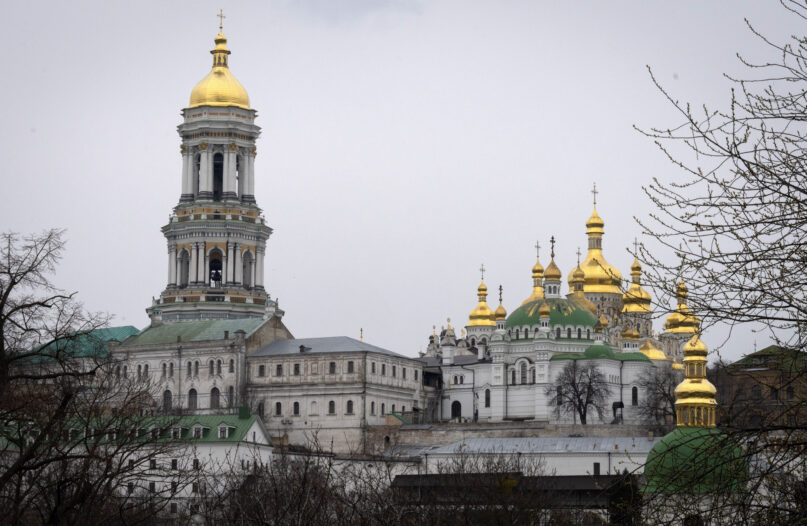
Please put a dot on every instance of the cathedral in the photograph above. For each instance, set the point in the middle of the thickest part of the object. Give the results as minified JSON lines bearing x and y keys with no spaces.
{"x":216,"y":339}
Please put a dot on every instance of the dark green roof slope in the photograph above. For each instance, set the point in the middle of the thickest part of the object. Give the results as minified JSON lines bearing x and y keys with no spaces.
{"x":561,"y":312}
{"x":194,"y":331}
{"x":90,"y":344}
{"x":694,"y":460}
{"x":774,"y":357}
{"x":599,"y":351}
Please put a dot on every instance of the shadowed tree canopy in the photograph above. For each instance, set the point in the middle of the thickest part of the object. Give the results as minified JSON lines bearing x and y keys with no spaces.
{"x":579,"y":389}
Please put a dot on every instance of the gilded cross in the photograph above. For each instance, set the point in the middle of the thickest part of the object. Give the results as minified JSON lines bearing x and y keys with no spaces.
{"x":538,"y":249}
{"x":500,"y":293}
{"x":552,"y":241}
{"x":635,"y":247}
{"x":578,"y":256}
{"x":482,"y":270}
{"x":221,"y":19}
{"x":361,"y":334}
{"x":595,"y":192}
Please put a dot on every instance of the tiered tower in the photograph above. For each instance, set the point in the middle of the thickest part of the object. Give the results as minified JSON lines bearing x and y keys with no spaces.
{"x":216,"y":235}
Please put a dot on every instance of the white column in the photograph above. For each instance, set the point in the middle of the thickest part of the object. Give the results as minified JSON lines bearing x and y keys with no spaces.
{"x":229,"y":173}
{"x":194,"y":256}
{"x":238,"y":263}
{"x":250,"y":179}
{"x":252,"y":268}
{"x":259,"y":269}
{"x":206,"y":278}
{"x":226,"y":264}
{"x":186,"y":180}
{"x":172,"y":265}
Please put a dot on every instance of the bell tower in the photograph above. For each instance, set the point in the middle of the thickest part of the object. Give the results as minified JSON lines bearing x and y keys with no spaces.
{"x":216,"y":235}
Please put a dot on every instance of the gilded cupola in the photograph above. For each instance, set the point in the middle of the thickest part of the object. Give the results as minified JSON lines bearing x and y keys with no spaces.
{"x":600,"y":276}
{"x":636,"y":299}
{"x":653,"y":352}
{"x":501,"y":312}
{"x":537,"y":279}
{"x":695,"y":402}
{"x":482,"y":315}
{"x":682,"y":320}
{"x":576,"y":282}
{"x":219,"y":87}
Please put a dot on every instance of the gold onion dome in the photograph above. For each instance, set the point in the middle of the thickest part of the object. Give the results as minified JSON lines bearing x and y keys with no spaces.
{"x":552,"y":272}
{"x":652,"y":352}
{"x":600,"y":276}
{"x":695,"y":397}
{"x":544,"y":311}
{"x":636,"y":299}
{"x":682,"y":320}
{"x":537,"y":283}
{"x":482,"y":316}
{"x":219,"y":87}
{"x":576,"y":284}
{"x":630,"y":334}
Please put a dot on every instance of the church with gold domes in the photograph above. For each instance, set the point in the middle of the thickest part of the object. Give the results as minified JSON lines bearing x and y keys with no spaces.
{"x":503,"y":366}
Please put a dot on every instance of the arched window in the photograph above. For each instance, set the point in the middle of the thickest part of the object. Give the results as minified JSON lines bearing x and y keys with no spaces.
{"x":196,"y":368}
{"x":557,"y":332}
{"x":232,"y":366}
{"x":165,"y":369}
{"x":192,"y":399}
{"x":215,"y":277}
{"x":526,"y":333}
{"x":569,"y":332}
{"x":117,"y":371}
{"x":523,"y":372}
{"x":125,"y":371}
{"x":146,"y":371}
{"x":372,"y":408}
{"x":579,"y":333}
{"x":296,"y":408}
{"x":756,"y":392}
{"x":218,"y":176}
{"x":533,"y":375}
{"x":487,"y":397}
{"x":513,"y":377}
{"x":331,"y":407}
{"x":382,"y":409}
{"x":248,"y":267}
{"x":313,"y":408}
{"x":261,"y":409}
{"x":218,"y":367}
{"x":230,"y":396}
{"x":171,"y":370}
{"x":634,"y":396}
{"x":139,"y":372}
{"x":211,"y":368}
{"x":588,"y":334}
{"x":190,"y":371}
{"x":517,"y":334}
{"x":790,"y":393}
{"x":167,"y":400}
{"x":350,"y":407}
{"x":456,"y":409}
{"x":215,"y":396}
{"x":473,"y":342}
{"x":278,"y":409}
{"x":184,"y":268}
{"x":559,"y":396}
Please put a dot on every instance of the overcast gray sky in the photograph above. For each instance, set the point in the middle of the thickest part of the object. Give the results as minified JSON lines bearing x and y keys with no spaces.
{"x":404,"y":142}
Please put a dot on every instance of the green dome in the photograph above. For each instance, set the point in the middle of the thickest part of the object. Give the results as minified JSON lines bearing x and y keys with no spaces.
{"x":695,"y":460}
{"x":599,"y":351}
{"x":561,"y":312}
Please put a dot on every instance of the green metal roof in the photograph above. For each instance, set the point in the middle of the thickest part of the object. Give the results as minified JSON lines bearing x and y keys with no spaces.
{"x":90,"y":344}
{"x":599,"y":351}
{"x":210,"y":424}
{"x":194,"y":331}
{"x":695,"y":460}
{"x":774,"y":357}
{"x":561,"y":312}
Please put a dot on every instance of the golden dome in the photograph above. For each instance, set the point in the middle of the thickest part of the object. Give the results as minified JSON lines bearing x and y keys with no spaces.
{"x":552,"y":272}
{"x":636,"y":299}
{"x":682,"y":320}
{"x":501,"y":313}
{"x":576,"y":283}
{"x":544,"y":311}
{"x":630,"y":334}
{"x":219,"y":87}
{"x":600,"y":276}
{"x":653,"y":352}
{"x":537,"y":283}
{"x":695,"y":397}
{"x":482,"y":316}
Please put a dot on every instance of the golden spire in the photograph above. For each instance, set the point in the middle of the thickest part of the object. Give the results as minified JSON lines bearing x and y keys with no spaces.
{"x":219,"y":87}
{"x":537,"y":278}
{"x":695,"y":402}
{"x":600,"y":276}
{"x":682,"y":320}
{"x":482,"y":316}
{"x":552,"y":271}
{"x":576,"y":283}
{"x":361,"y":334}
{"x":500,"y":313}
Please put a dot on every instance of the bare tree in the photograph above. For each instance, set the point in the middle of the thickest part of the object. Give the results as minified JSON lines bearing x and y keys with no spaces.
{"x":579,"y":389}
{"x":659,"y":383}
{"x":72,"y":437}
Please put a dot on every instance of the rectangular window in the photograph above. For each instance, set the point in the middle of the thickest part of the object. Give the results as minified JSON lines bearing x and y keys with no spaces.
{"x":372,"y":367}
{"x":296,"y":369}
{"x":152,"y":487}
{"x":153,"y":464}
{"x":332,"y":368}
{"x":394,"y":370}
{"x":174,"y":508}
{"x":279,"y":369}
{"x":223,"y":432}
{"x":176,"y":433}
{"x":416,"y":375}
{"x":383,"y":369}
{"x":261,"y":370}
{"x":174,"y":463}
{"x":596,"y":468}
{"x":314,"y":368}
{"x":195,"y":487}
{"x":350,"y":366}
{"x":197,"y":432}
{"x":130,"y":488}
{"x":196,"y":463}
{"x":403,"y":372}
